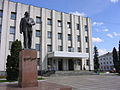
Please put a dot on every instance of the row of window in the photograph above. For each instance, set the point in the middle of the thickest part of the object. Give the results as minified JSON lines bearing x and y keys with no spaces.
{"x":49,"y":34}
{"x":107,"y":58}
{"x":106,"y":62}
{"x":49,"y":21}
{"x":107,"y":67}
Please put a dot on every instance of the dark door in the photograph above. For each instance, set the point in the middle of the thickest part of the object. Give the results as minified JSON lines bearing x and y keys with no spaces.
{"x":71,"y":64}
{"x":60,"y":65}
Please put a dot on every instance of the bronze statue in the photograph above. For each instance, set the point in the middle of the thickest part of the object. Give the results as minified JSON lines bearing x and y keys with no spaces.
{"x":26,"y":24}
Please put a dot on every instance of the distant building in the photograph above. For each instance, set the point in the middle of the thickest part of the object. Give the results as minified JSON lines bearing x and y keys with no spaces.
{"x":63,"y":41}
{"x":106,"y":62}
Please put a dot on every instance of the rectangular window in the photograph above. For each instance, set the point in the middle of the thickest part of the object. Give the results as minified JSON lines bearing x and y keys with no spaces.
{"x":59,"y":35}
{"x":60,"y":48}
{"x":0,"y":28}
{"x":1,"y":13}
{"x":69,"y":49}
{"x":49,"y":21}
{"x":38,"y":19}
{"x":59,"y":23}
{"x":87,"y":50}
{"x":86,"y":28}
{"x":86,"y":39}
{"x":38,"y":33}
{"x":12,"y":30}
{"x":78,"y":38}
{"x":68,"y":24}
{"x":37,"y":47}
{"x":10,"y":44}
{"x":13,"y":15}
{"x":69,"y":37}
{"x":49,"y":48}
{"x":49,"y":34}
{"x":79,"y":49}
{"x":78,"y":26}
{"x":87,"y":62}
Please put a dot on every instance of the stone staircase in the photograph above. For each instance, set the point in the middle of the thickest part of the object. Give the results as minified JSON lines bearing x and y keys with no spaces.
{"x":72,"y":73}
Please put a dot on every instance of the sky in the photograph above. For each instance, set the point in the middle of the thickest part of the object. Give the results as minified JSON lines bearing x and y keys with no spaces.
{"x":105,"y":16}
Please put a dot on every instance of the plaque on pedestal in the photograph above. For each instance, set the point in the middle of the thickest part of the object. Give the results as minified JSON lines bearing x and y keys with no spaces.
{"x":28,"y":68}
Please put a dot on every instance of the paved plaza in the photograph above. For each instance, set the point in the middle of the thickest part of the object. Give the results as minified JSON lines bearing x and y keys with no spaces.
{"x":88,"y":82}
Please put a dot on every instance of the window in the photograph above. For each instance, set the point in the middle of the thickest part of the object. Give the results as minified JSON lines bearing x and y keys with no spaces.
{"x":79,"y":49}
{"x":38,"y":33}
{"x":86,"y":39}
{"x":87,"y":50}
{"x":69,"y":49}
{"x":60,"y":48}
{"x":12,"y":30}
{"x":101,"y":63}
{"x":86,"y":28}
{"x":49,"y":34}
{"x":87,"y":62}
{"x":38,"y":19}
{"x":10,"y":44}
{"x":110,"y":62}
{"x":13,"y":15}
{"x":78,"y":38}
{"x":0,"y":28}
{"x":59,"y":35}
{"x":78,"y":26}
{"x":59,"y":23}
{"x":69,"y":37}
{"x":38,"y":61}
{"x":49,"y":48}
{"x":37,"y":47}
{"x":49,"y":21}
{"x":68,"y":24}
{"x":1,"y":13}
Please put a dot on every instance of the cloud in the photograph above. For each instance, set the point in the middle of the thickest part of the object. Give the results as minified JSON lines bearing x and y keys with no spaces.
{"x":97,"y":40}
{"x":110,"y":35}
{"x":102,"y":51}
{"x":105,"y":30}
{"x":78,"y":13}
{"x":116,"y":34}
{"x":97,"y":23}
{"x":114,"y":1}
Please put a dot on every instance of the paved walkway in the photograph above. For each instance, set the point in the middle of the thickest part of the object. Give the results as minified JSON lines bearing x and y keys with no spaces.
{"x":88,"y":82}
{"x":42,"y":85}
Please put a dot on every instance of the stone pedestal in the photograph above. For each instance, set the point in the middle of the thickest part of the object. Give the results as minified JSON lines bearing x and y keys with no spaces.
{"x":28,"y":68}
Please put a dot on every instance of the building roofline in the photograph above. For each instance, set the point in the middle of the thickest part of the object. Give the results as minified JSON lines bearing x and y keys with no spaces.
{"x":48,"y":9}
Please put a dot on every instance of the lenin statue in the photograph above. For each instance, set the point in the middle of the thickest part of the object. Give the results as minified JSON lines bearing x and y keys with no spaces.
{"x":26,"y":24}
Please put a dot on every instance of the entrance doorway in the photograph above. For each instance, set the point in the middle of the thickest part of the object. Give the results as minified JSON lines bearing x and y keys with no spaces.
{"x":71,"y":64}
{"x":60,"y":65}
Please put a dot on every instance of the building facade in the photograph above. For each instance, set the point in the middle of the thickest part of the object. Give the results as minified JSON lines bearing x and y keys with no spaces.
{"x":106,"y":62}
{"x":63,"y":41}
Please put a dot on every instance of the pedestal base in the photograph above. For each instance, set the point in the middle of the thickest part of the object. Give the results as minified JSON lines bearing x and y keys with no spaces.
{"x":28,"y":68}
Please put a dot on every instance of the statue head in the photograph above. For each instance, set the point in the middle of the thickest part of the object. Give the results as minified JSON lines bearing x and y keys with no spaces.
{"x":27,"y":14}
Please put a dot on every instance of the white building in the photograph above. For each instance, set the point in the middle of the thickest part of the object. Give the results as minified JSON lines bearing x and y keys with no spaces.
{"x":106,"y":62}
{"x":63,"y":41}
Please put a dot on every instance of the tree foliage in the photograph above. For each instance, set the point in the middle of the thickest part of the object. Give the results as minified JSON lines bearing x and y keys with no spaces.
{"x":12,"y":65}
{"x":116,"y":60}
{"x":96,"y":60}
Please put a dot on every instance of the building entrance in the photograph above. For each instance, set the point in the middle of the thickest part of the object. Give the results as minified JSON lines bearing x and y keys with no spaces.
{"x":70,"y":64}
{"x":60,"y":65}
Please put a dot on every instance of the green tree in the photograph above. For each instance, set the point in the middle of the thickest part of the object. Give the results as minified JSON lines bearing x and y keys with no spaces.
{"x":96,"y":60}
{"x":115,"y":60}
{"x":12,"y":65}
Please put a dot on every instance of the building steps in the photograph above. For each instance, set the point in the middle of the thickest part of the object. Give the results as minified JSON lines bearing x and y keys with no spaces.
{"x":72,"y":73}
